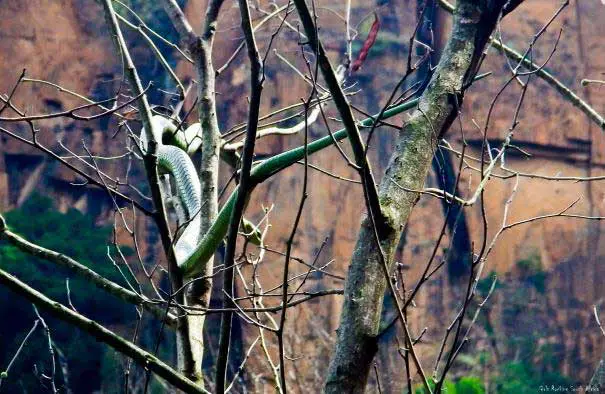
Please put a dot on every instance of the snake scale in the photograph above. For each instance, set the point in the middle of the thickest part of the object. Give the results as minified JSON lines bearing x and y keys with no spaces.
{"x":174,"y":160}
{"x":173,"y":153}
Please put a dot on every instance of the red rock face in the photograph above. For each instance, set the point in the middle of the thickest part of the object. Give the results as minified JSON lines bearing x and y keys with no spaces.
{"x":64,"y":44}
{"x":66,"y":49}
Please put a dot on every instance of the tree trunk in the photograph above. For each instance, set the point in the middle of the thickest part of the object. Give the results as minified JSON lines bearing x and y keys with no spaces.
{"x":356,"y":341}
{"x":190,"y":335}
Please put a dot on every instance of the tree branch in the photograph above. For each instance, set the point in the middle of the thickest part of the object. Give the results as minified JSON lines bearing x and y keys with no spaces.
{"x":357,"y":342}
{"x":200,"y":47}
{"x":541,"y":72}
{"x":180,"y":22}
{"x":145,"y":359}
{"x":342,"y":104}
{"x":184,"y":355}
{"x":263,"y":171}
{"x":85,"y":272}
{"x":246,"y":185}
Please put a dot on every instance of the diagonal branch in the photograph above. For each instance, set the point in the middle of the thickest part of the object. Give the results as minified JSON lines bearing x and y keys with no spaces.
{"x":261,"y":173}
{"x":266,"y":169}
{"x":200,"y":47}
{"x":269,"y":167}
{"x":180,"y":22}
{"x":186,"y":361}
{"x":145,"y":111}
{"x":342,"y":104}
{"x":145,"y":359}
{"x":82,"y":270}
{"x":357,"y":339}
{"x":246,"y":185}
{"x":541,"y":72}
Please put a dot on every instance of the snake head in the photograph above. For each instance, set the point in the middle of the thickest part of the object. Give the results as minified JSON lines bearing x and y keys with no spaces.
{"x":159,"y":125}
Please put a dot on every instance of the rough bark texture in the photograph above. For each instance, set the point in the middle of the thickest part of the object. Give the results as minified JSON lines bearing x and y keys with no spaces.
{"x":366,"y":283}
{"x":199,"y":293}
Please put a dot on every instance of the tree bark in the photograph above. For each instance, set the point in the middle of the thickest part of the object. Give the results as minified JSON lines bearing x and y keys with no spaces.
{"x":200,"y":291}
{"x":356,"y":342}
{"x":190,"y":347}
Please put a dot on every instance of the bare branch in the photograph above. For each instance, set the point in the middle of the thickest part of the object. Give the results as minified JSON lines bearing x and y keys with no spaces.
{"x":145,"y":359}
{"x":245,"y":187}
{"x":83,"y":271}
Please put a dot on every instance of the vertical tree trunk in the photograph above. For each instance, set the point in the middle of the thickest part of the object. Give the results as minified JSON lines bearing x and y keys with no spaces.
{"x":190,"y":347}
{"x":356,"y":341}
{"x":200,"y":291}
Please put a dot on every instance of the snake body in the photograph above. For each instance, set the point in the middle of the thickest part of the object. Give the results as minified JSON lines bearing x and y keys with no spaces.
{"x":175,"y":161}
{"x":173,"y":158}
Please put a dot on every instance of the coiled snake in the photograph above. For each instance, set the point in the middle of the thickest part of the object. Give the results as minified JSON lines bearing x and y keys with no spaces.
{"x":173,"y":150}
{"x":174,"y":160}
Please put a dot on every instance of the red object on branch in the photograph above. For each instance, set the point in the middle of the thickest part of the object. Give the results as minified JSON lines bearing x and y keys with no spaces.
{"x":367,"y":44}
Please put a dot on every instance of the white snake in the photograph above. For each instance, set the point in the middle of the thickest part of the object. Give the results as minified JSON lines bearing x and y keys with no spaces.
{"x":175,"y":160}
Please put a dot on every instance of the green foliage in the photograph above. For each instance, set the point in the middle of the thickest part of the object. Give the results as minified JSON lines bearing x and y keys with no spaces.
{"x":524,"y":378}
{"x":511,"y":378}
{"x":74,"y":235}
{"x":470,"y":385}
{"x":535,"y":365}
{"x":448,"y":387}
{"x":515,"y":377}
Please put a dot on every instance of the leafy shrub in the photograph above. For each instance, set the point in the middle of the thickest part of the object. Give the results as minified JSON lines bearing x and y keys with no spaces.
{"x":470,"y":385}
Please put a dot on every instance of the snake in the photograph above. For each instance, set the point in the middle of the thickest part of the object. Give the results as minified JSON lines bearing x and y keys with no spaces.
{"x":174,"y":147}
{"x":173,"y":159}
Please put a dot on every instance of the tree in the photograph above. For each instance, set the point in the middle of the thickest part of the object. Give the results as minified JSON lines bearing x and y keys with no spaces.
{"x":182,"y":200}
